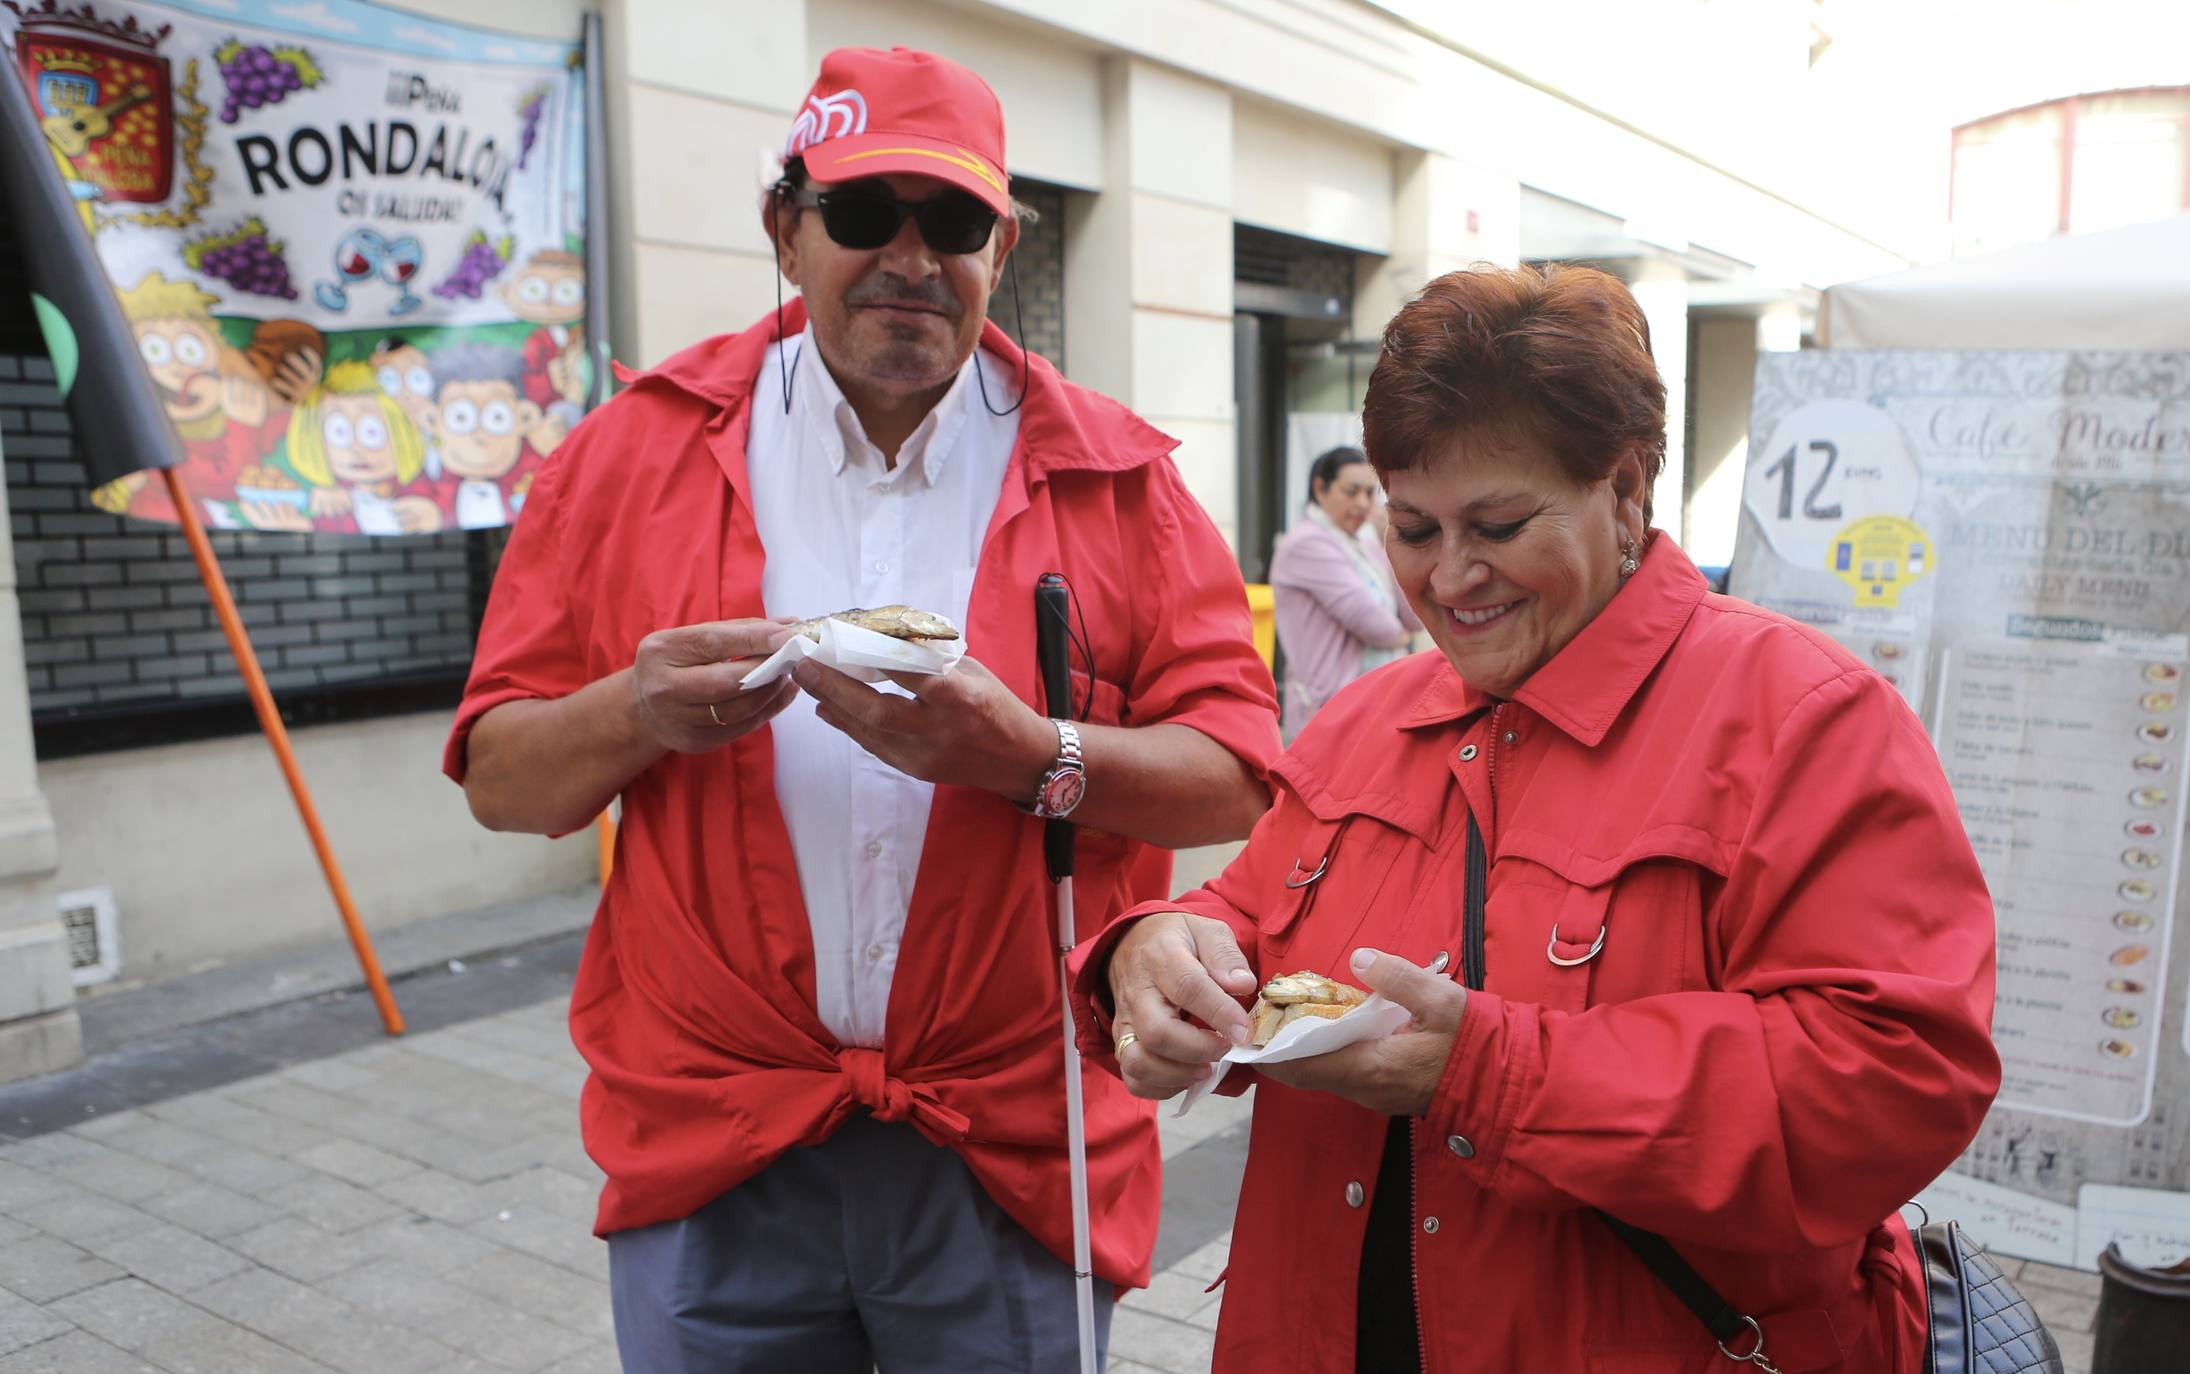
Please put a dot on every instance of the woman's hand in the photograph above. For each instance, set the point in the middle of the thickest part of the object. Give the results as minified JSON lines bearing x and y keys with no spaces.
{"x":1398,"y":1074}
{"x":1172,"y":965}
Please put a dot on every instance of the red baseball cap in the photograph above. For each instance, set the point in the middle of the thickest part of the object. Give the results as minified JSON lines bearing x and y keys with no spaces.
{"x":871,"y":113}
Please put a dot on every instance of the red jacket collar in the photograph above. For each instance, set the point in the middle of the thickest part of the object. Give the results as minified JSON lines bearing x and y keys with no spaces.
{"x":1060,"y":426}
{"x":1586,"y":685}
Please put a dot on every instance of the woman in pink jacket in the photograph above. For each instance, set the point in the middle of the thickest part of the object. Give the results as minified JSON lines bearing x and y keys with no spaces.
{"x":1720,"y":957}
{"x":1339,"y":614}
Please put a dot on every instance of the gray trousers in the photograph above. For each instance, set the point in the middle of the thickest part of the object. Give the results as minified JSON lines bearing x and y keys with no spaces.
{"x":874,"y":1249}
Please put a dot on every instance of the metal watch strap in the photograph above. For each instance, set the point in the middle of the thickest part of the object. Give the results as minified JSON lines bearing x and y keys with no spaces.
{"x":1068,"y":760}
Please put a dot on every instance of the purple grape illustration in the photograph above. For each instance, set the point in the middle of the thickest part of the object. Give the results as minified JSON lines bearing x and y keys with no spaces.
{"x":534,"y":106}
{"x":257,"y":76}
{"x":244,"y":258}
{"x":482,"y":262}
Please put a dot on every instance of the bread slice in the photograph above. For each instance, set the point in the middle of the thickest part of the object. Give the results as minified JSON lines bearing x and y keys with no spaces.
{"x":1308,"y":986}
{"x":1266,"y":1019}
{"x":1327,"y":1011}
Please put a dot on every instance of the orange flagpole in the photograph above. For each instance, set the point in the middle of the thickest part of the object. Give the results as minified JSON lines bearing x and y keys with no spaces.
{"x":277,"y":734}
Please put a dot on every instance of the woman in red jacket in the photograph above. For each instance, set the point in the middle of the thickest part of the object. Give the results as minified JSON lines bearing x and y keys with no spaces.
{"x":1734,"y":978}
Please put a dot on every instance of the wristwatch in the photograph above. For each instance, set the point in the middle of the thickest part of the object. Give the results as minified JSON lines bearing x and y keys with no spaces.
{"x":1066,"y":781}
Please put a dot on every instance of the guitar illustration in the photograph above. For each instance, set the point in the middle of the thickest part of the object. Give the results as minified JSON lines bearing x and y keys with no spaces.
{"x":73,"y":129}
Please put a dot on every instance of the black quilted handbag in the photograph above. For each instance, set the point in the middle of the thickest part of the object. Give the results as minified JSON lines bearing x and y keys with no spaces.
{"x":1980,"y":1321}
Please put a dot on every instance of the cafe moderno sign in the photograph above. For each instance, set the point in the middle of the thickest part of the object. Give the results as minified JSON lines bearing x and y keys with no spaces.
{"x":348,"y":241}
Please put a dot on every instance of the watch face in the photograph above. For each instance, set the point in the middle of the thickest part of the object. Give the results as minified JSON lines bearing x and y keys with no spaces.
{"x":1063,"y":792}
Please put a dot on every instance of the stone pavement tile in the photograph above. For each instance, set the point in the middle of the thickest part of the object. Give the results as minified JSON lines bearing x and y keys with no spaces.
{"x":1213,"y":1115}
{"x":2054,"y":1276}
{"x":23,"y":1324}
{"x":329,"y":1203}
{"x":1159,"y":1341}
{"x":169,"y":1257}
{"x":80,"y":1217}
{"x":563,"y":1074}
{"x":237,"y":1123}
{"x":429,"y":1245}
{"x":302,"y":1251}
{"x":444,"y":1197}
{"x":599,"y":1359}
{"x":51,"y":1151}
{"x":21,"y":1186}
{"x":176,"y":1335}
{"x":1207,"y":1262}
{"x":2076,"y":1350}
{"x":78,"y":1352}
{"x":322,"y":1326}
{"x":456,"y":1317}
{"x":211,"y":1210}
{"x":119,"y":1175}
{"x":1171,"y":1294}
{"x":334,"y":1074}
{"x":547,"y":1190}
{"x":545,"y":1235}
{"x":2063,"y":1311}
{"x":244,"y":1170}
{"x":12,"y":1231}
{"x":542,"y":1290}
{"x":42,"y":1268}
{"x":357,"y":1163}
{"x":148,"y":1137}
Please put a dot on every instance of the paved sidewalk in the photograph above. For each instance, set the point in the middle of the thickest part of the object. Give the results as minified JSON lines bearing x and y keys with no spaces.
{"x":422,"y":1206}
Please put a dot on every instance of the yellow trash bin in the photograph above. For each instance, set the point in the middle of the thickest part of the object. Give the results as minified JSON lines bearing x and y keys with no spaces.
{"x":1262,"y":606}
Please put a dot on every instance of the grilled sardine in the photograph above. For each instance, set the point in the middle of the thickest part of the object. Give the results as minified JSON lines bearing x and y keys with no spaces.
{"x":898,"y":622}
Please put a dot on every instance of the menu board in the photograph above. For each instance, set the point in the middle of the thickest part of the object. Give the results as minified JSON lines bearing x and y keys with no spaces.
{"x":2059,"y":755}
{"x":2005,"y":536}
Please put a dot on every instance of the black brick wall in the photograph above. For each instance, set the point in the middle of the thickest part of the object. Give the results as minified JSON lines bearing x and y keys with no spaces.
{"x":1040,"y":263}
{"x":114,"y":615}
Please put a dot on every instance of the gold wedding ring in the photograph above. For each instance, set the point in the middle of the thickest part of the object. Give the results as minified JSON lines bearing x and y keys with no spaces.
{"x":711,"y":713}
{"x":1124,"y":1041}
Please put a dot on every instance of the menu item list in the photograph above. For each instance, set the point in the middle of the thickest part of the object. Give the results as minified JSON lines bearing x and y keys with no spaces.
{"x":2067,"y":762}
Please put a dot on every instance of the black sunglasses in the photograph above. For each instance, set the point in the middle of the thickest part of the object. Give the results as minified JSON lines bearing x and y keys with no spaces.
{"x":950,"y":221}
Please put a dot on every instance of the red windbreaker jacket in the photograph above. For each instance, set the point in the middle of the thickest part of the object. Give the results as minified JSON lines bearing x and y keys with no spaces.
{"x":694,"y":1005}
{"x":1783,"y":1037}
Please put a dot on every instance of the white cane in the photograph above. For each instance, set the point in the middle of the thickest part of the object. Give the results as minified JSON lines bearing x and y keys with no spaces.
{"x":1051,"y":631}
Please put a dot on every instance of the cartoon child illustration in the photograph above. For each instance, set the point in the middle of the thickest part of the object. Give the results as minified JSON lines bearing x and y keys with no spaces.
{"x":404,"y":373}
{"x":229,"y":406}
{"x":362,"y":456}
{"x":485,"y":425}
{"x":550,"y":291}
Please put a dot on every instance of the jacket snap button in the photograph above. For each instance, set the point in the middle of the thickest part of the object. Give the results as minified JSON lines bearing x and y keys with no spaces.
{"x":1429,"y":1225}
{"x":1354,"y":1195}
{"x":1467,"y":753}
{"x":1460,"y":1145}
{"x":1512,"y":735}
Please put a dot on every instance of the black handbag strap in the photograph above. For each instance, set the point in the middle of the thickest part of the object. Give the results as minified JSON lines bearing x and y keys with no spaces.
{"x":1719,"y":1317}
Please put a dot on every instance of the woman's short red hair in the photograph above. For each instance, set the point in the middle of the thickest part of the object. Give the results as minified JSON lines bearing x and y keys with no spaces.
{"x":1556,"y":353}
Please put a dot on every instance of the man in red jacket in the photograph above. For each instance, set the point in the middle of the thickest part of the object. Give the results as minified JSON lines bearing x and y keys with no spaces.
{"x":819,"y":1000}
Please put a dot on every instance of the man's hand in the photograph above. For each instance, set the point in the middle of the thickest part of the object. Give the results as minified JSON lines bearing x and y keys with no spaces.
{"x":1169,"y":966}
{"x":685,"y":686}
{"x":1398,"y":1074}
{"x":962,"y":728}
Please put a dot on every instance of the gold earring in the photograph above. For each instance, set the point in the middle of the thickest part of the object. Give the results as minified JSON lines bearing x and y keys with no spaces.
{"x":1628,"y":564}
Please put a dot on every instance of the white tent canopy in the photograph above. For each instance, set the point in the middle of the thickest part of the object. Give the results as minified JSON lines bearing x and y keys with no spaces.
{"x":2121,"y":288}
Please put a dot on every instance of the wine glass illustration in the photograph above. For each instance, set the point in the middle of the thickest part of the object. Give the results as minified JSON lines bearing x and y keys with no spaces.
{"x":401,"y":263}
{"x":364,"y":254}
{"x":357,"y":259}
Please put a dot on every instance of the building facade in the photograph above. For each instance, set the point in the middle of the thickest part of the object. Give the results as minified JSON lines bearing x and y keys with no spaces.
{"x":1234,"y":195}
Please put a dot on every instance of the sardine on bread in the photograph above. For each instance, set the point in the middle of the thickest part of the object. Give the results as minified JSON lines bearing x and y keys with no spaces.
{"x":1288,"y":997}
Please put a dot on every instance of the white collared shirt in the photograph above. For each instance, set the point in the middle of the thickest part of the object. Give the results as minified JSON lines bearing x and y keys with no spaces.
{"x":841,"y":529}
